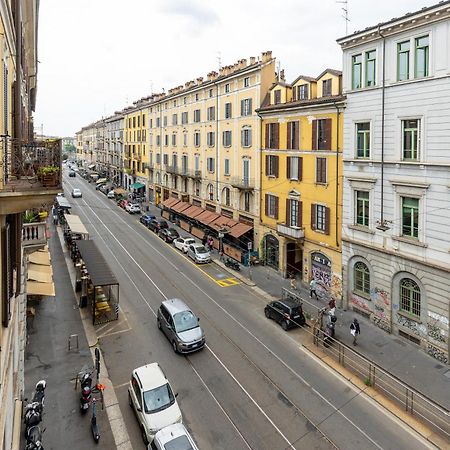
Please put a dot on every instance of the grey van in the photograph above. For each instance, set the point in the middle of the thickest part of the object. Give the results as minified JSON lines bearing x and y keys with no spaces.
{"x":180,"y":325}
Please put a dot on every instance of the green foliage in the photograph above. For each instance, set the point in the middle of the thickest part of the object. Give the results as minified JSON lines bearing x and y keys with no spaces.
{"x":68,"y":148}
{"x":30,"y":216}
{"x":65,"y":156}
{"x":367,"y":382}
{"x":48,"y":170}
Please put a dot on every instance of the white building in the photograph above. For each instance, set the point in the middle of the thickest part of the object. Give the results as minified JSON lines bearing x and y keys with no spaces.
{"x":114,"y":147}
{"x":396,"y":206}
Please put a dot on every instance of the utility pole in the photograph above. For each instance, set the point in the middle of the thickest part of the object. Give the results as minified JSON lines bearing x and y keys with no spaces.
{"x":345,"y":15}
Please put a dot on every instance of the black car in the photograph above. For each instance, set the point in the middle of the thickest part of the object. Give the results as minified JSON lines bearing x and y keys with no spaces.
{"x":287,"y":313}
{"x":168,"y":234}
{"x":146,"y":218}
{"x":72,"y":173}
{"x":157,"y":224}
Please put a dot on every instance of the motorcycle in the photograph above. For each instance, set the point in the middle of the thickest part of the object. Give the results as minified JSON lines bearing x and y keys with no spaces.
{"x":34,"y":438}
{"x":34,"y":410}
{"x":85,"y":379}
{"x":329,"y":330}
{"x":232,"y":264}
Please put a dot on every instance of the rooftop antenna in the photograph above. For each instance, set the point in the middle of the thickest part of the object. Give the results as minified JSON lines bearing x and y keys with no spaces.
{"x":151,"y":87}
{"x":219,"y":60}
{"x":345,"y":15}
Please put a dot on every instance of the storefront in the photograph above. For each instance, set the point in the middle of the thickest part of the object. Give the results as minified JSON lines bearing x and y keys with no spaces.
{"x":321,"y":271}
{"x":271,"y":251}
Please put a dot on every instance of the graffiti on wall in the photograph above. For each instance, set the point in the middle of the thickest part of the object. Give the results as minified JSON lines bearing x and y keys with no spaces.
{"x":437,"y":353}
{"x":336,"y":286}
{"x":382,"y":324}
{"x":381,"y":303}
{"x":359,"y":302}
{"x":417,"y":328}
{"x":437,"y":327}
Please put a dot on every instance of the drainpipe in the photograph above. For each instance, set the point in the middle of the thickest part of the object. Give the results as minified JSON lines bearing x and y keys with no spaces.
{"x":17,"y":124}
{"x":382,"y":224}
{"x":217,"y":142}
{"x":337,"y":174}
{"x":161,"y":154}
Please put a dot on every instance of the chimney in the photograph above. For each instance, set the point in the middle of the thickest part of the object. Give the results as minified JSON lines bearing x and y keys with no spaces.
{"x":199,"y":81}
{"x":282,"y":78}
{"x":212,"y":75}
{"x":266,"y":56}
{"x":243,"y":63}
{"x":252,"y":60}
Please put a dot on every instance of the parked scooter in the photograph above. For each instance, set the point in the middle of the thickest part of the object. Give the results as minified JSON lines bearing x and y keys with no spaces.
{"x":34,"y":438}
{"x":34,"y":410}
{"x":85,"y":379}
{"x":329,"y":330}
{"x":232,"y":264}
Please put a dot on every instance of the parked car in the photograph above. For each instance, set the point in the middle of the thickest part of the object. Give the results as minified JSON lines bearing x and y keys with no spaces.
{"x":111,"y":194}
{"x":76,"y":193}
{"x":199,"y":253}
{"x":287,"y":313}
{"x":105,"y":189}
{"x":180,"y":325}
{"x":174,"y":437}
{"x":133,"y":208}
{"x":72,"y":173}
{"x":157,"y":224}
{"x":168,"y":234}
{"x":182,"y":243}
{"x":123,"y":203}
{"x":146,"y":218}
{"x":153,"y":400}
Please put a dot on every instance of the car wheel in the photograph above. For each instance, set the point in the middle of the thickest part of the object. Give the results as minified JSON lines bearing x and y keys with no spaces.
{"x":144,"y":436}
{"x":284,"y":325}
{"x":130,"y":402}
{"x":267,"y":313}
{"x":174,"y":346}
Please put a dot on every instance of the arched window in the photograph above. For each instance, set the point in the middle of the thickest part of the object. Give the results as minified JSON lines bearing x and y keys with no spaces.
{"x":361,"y":278}
{"x":410,"y":297}
{"x":226,"y":196}
{"x":210,"y":192}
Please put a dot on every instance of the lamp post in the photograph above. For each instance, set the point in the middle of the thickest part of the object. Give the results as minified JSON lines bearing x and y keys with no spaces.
{"x":249,"y":247}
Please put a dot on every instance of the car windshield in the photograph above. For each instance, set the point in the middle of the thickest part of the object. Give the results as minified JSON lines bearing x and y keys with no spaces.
{"x":158,"y":399}
{"x":185,"y":321}
{"x":179,"y":443}
{"x":201,"y":249}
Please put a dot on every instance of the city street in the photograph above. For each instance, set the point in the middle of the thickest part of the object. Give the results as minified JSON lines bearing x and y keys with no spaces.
{"x":252,"y":387}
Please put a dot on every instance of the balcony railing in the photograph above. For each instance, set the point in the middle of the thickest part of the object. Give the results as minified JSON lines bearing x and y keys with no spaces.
{"x":243,"y":183}
{"x":292,"y":232}
{"x":170,"y":168}
{"x":34,"y":234}
{"x":31,"y":166}
{"x":195,"y":174}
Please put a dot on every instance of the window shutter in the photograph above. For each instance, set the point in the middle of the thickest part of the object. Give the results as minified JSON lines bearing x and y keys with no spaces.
{"x":313,"y":216}
{"x":276,"y":208}
{"x":288,"y":167}
{"x":300,"y":214}
{"x":288,"y":144}
{"x":288,"y":212}
{"x":249,"y":106}
{"x":249,"y":143}
{"x":314,"y":135}
{"x":267,"y":135}
{"x":327,"y":220}
{"x":276,"y":166}
{"x":267,"y":164}
{"x":300,"y":168}
{"x":242,"y":107}
{"x":327,"y":134}
{"x":242,"y":137}
{"x":324,"y":170}
{"x":276,"y":135}
{"x":296,"y":134}
{"x":266,"y":204}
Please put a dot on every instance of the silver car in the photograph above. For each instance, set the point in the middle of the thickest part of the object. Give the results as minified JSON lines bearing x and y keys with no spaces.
{"x":199,"y":253}
{"x":180,"y":325}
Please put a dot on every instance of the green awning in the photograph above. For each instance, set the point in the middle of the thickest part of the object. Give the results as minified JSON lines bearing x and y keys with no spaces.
{"x":137,"y":186}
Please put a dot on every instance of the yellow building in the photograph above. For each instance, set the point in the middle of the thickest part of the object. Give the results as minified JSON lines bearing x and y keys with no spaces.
{"x":301,"y":182}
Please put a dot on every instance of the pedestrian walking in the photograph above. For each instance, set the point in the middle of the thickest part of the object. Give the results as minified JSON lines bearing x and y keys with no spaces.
{"x":312,"y":288}
{"x":355,"y":330}
{"x":210,"y":243}
{"x":332,"y":306}
{"x":293,"y":281}
{"x":55,"y":216}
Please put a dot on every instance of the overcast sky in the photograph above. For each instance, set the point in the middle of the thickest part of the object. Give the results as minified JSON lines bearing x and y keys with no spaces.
{"x":98,"y":56}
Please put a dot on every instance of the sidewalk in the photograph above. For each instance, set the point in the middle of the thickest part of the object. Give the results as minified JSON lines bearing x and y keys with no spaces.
{"x":394,"y":354}
{"x":47,"y":357}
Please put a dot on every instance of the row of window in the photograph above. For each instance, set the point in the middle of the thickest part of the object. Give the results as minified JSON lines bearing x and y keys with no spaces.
{"x":409,"y":290}
{"x":301,"y":92}
{"x":294,"y":168}
{"x":136,"y":121}
{"x":410,"y":140}
{"x":412,"y":62}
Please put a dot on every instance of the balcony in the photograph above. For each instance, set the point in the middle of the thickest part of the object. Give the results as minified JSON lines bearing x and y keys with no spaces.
{"x":243,"y":183}
{"x":34,"y":234}
{"x":170,"y":168}
{"x":194,"y":174}
{"x":290,"y":232}
{"x":30,"y":175}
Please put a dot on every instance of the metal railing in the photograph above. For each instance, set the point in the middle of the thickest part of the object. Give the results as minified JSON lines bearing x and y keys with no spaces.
{"x":407,"y":397}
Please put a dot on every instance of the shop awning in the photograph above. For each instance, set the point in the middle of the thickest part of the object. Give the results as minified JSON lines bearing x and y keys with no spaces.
{"x":101,"y":180}
{"x":239,"y":229}
{"x":170,"y":202}
{"x":36,"y":288}
{"x":91,"y":166}
{"x":40,"y":274}
{"x":42,"y":258}
{"x":75,"y":225}
{"x":223,"y":222}
{"x":119,"y":191}
{"x":96,"y":265}
{"x":137,"y":186}
{"x":63,"y":202}
{"x":181,"y":206}
{"x":206,"y":217}
{"x":193,"y":211}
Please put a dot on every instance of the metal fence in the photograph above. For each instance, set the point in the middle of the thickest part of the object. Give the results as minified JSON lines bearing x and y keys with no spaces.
{"x":410,"y":399}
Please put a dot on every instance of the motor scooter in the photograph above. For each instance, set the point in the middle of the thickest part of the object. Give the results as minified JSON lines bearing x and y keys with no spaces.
{"x":232,"y":264}
{"x":329,"y":331}
{"x":34,"y":410}
{"x":34,"y":438}
{"x":85,"y":379}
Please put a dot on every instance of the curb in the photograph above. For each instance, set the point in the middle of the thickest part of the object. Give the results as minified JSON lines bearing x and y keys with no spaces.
{"x":238,"y":275}
{"x":117,"y":424}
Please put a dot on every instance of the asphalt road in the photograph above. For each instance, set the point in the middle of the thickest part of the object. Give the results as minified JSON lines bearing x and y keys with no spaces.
{"x":252,"y":387}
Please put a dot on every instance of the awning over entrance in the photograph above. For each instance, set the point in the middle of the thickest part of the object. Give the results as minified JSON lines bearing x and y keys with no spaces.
{"x":180,"y":206}
{"x":119,"y":191}
{"x":223,"y":222}
{"x":96,"y":265}
{"x":206,"y":217}
{"x":63,"y":202}
{"x":75,"y":224}
{"x":170,"y":202}
{"x":40,"y":274}
{"x":137,"y":186}
{"x":239,"y":229}
{"x":193,"y":211}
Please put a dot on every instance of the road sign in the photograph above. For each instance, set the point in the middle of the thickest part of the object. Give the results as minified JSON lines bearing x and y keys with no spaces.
{"x":249,"y":245}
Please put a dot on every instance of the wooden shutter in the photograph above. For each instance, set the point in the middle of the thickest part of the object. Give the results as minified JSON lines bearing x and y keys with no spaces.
{"x":276,"y":208}
{"x":327,"y":143}
{"x":288,"y":212}
{"x":314,"y":135}
{"x":324,"y":170}
{"x":300,"y":214}
{"x":267,"y":136}
{"x":313,"y":216}
{"x":327,"y":220}
{"x":242,"y":107}
{"x":276,"y":167}
{"x":249,"y":106}
{"x":288,"y":167}
{"x":300,"y":168}
{"x":267,"y":165}
{"x":288,"y":143}
{"x":276,"y":136}
{"x":296,"y":134}
{"x":266,"y":204}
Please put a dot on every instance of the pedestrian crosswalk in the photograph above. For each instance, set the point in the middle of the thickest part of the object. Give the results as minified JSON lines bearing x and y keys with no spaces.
{"x":227,"y":282}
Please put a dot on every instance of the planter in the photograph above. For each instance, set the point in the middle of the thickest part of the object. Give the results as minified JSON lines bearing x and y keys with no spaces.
{"x":50,"y":180}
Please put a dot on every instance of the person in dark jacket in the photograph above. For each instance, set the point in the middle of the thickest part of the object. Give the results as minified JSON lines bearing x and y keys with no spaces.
{"x":355,"y":330}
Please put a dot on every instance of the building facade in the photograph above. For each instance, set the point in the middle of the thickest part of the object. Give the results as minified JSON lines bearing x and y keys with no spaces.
{"x":396,"y":228}
{"x":301,"y":183}
{"x":114,"y":148}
